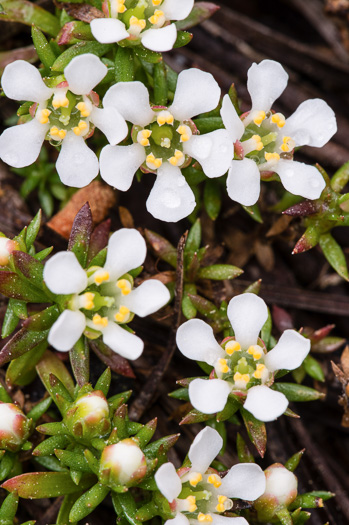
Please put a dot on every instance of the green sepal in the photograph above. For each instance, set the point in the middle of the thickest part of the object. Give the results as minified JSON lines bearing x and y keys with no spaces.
{"x":295,"y":392}
{"x":88,"y":502}
{"x":36,"y":485}
{"x":43,"y":48}
{"x":284,"y":516}
{"x":299,"y":517}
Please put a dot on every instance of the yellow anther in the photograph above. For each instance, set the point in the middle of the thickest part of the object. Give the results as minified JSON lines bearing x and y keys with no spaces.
{"x":62,"y":133}
{"x":224,"y":368}
{"x":156,"y":17}
{"x":182,"y":129}
{"x":124,"y":285}
{"x":178,"y":156}
{"x":278,"y":119}
{"x":284,"y":148}
{"x":44,"y":120}
{"x":259,"y":118}
{"x":259,"y":144}
{"x":150,"y":158}
{"x":45,"y":112}
{"x":101,"y":276}
{"x":232,"y":346}
{"x":140,"y":22}
{"x":185,"y":132}
{"x":56,"y":103}
{"x":100,"y":321}
{"x":241,"y":377}
{"x":255,"y":351}
{"x":81,"y":106}
{"x":220,"y":507}
{"x":259,"y":372}
{"x":154,"y":163}
{"x":82,"y":125}
{"x":121,"y":8}
{"x":146,"y":133}
{"x":192,"y":503}
{"x":122,"y":314}
{"x":88,"y":300}
{"x":195,"y":479}
{"x":144,"y":142}
{"x":271,"y":156}
{"x":77,"y":131}
{"x":204,"y":518}
{"x":156,"y":2}
{"x":124,"y":310}
{"x":54,"y":130}
{"x":158,"y":163}
{"x":222,"y":499}
{"x":214,"y":480}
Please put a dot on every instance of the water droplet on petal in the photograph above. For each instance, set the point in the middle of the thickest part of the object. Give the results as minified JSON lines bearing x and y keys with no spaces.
{"x":170,"y":199}
{"x":202,"y":147}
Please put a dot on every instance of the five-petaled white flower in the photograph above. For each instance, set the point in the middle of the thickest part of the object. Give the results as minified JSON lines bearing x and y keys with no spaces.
{"x":198,"y":495}
{"x":242,"y":365}
{"x":105,"y":295}
{"x":164,"y":141}
{"x":265,"y":140}
{"x":147,"y":22}
{"x":65,"y":114}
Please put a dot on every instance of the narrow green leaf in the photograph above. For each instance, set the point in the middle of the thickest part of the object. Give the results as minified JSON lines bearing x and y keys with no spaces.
{"x":162,"y":248}
{"x":88,"y":502}
{"x":256,"y":431}
{"x":124,"y":65}
{"x":80,"y":361}
{"x":293,"y":462}
{"x":208,"y":124}
{"x":334,"y":255}
{"x":10,"y":320}
{"x":254,"y":213}
{"x":183,"y":38}
{"x":18,"y":369}
{"x":79,"y":49}
{"x":80,"y":235}
{"x":23,"y":341}
{"x":128,"y":506}
{"x":212,"y":198}
{"x":28,"y":13}
{"x":147,"y":55}
{"x":219,"y":272}
{"x":295,"y":392}
{"x":313,"y":368}
{"x":160,"y":84}
{"x":33,"y":229}
{"x":12,"y":286}
{"x":244,"y":454}
{"x":200,"y":12}
{"x":340,"y":178}
{"x":43,"y":48}
{"x":36,"y":485}
{"x":51,"y":364}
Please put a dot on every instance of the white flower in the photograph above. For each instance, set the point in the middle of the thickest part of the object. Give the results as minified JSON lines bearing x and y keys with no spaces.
{"x":147,"y":22}
{"x":164,"y":142}
{"x":108,"y":298}
{"x":270,"y":139}
{"x":64,"y":115}
{"x":241,"y":364}
{"x":198,"y":494}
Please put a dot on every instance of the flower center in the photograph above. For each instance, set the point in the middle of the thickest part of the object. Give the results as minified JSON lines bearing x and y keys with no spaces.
{"x":137,"y":15}
{"x":65,"y":112}
{"x":163,"y":140}
{"x":242,"y":368}
{"x":264,"y":141}
{"x":200,"y":496}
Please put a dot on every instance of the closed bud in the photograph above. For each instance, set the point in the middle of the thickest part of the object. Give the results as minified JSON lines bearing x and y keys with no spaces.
{"x":122,"y":464}
{"x":88,"y":418}
{"x":7,"y":246}
{"x":15,"y":427}
{"x":280,"y":492}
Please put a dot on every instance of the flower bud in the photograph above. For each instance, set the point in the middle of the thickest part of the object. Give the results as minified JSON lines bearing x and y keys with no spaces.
{"x":7,"y":246}
{"x":122,"y":464}
{"x":88,"y":418}
{"x":281,"y":490}
{"x":14,"y":427}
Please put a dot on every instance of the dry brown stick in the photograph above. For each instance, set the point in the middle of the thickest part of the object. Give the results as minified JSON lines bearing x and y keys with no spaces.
{"x":144,"y":399}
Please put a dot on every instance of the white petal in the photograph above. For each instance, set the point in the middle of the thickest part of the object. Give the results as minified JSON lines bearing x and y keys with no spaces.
{"x":265,"y":404}
{"x":161,"y":39}
{"x":126,"y":251}
{"x":196,"y":92}
{"x":209,"y":396}
{"x":244,"y":182}
{"x":22,"y":81}
{"x":84,"y":72}
{"x":168,"y":481}
{"x":180,"y":519}
{"x":147,"y":298}
{"x":118,"y":164}
{"x":171,"y":198}
{"x":265,"y":83}
{"x":289,"y":353}
{"x":245,"y":481}
{"x":196,"y":341}
{"x":177,"y":9}
{"x":67,"y":330}
{"x":231,"y":119}
{"x":122,"y":342}
{"x":108,"y":30}
{"x":64,"y":275}
{"x":20,"y":145}
{"x":131,"y":99}
{"x":247,"y":314}
{"x":205,"y":447}
{"x":300,"y":179}
{"x":77,"y":165}
{"x":214,"y":151}
{"x":111,"y":123}
{"x":225,"y":520}
{"x":313,"y":123}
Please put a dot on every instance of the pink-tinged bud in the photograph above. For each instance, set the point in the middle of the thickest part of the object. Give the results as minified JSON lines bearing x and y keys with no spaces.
{"x":7,"y":246}
{"x":88,"y":418}
{"x":15,"y":427}
{"x":281,"y":490}
{"x":122,"y":464}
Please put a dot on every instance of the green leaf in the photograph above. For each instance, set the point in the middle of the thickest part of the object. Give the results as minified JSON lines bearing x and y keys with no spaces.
{"x":208,"y":124}
{"x":43,"y":48}
{"x":340,"y":178}
{"x":80,"y":235}
{"x":219,"y":272}
{"x":180,"y":393}
{"x":28,"y":268}
{"x":80,"y":361}
{"x":295,"y":392}
{"x":256,"y":431}
{"x":29,"y":13}
{"x":188,"y":309}
{"x":334,"y":255}
{"x":88,"y":502}
{"x":79,"y":49}
{"x":194,"y":238}
{"x":18,"y":369}
{"x":51,"y":364}
{"x":73,"y":31}
{"x":49,"y":445}
{"x":12,"y":286}
{"x":40,"y":256}
{"x":147,"y":55}
{"x":128,"y":506}
{"x":160,"y":84}
{"x":103,"y":383}
{"x":231,"y":407}
{"x":124,"y":65}
{"x":204,"y":306}
{"x":293,"y":462}
{"x":200,"y":12}
{"x":212,"y":198}
{"x":313,"y":368}
{"x":183,"y":38}
{"x":10,"y":320}
{"x":162,"y":247}
{"x":39,"y":409}
{"x":9,"y":508}
{"x":33,"y":230}
{"x":254,"y":213}
{"x":266,"y":330}
{"x":244,"y":454}
{"x":23,"y":341}
{"x":73,"y":459}
{"x":37,"y":485}
{"x":42,"y":320}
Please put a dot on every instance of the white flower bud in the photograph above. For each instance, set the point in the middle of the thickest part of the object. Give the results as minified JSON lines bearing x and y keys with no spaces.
{"x":122,"y":464}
